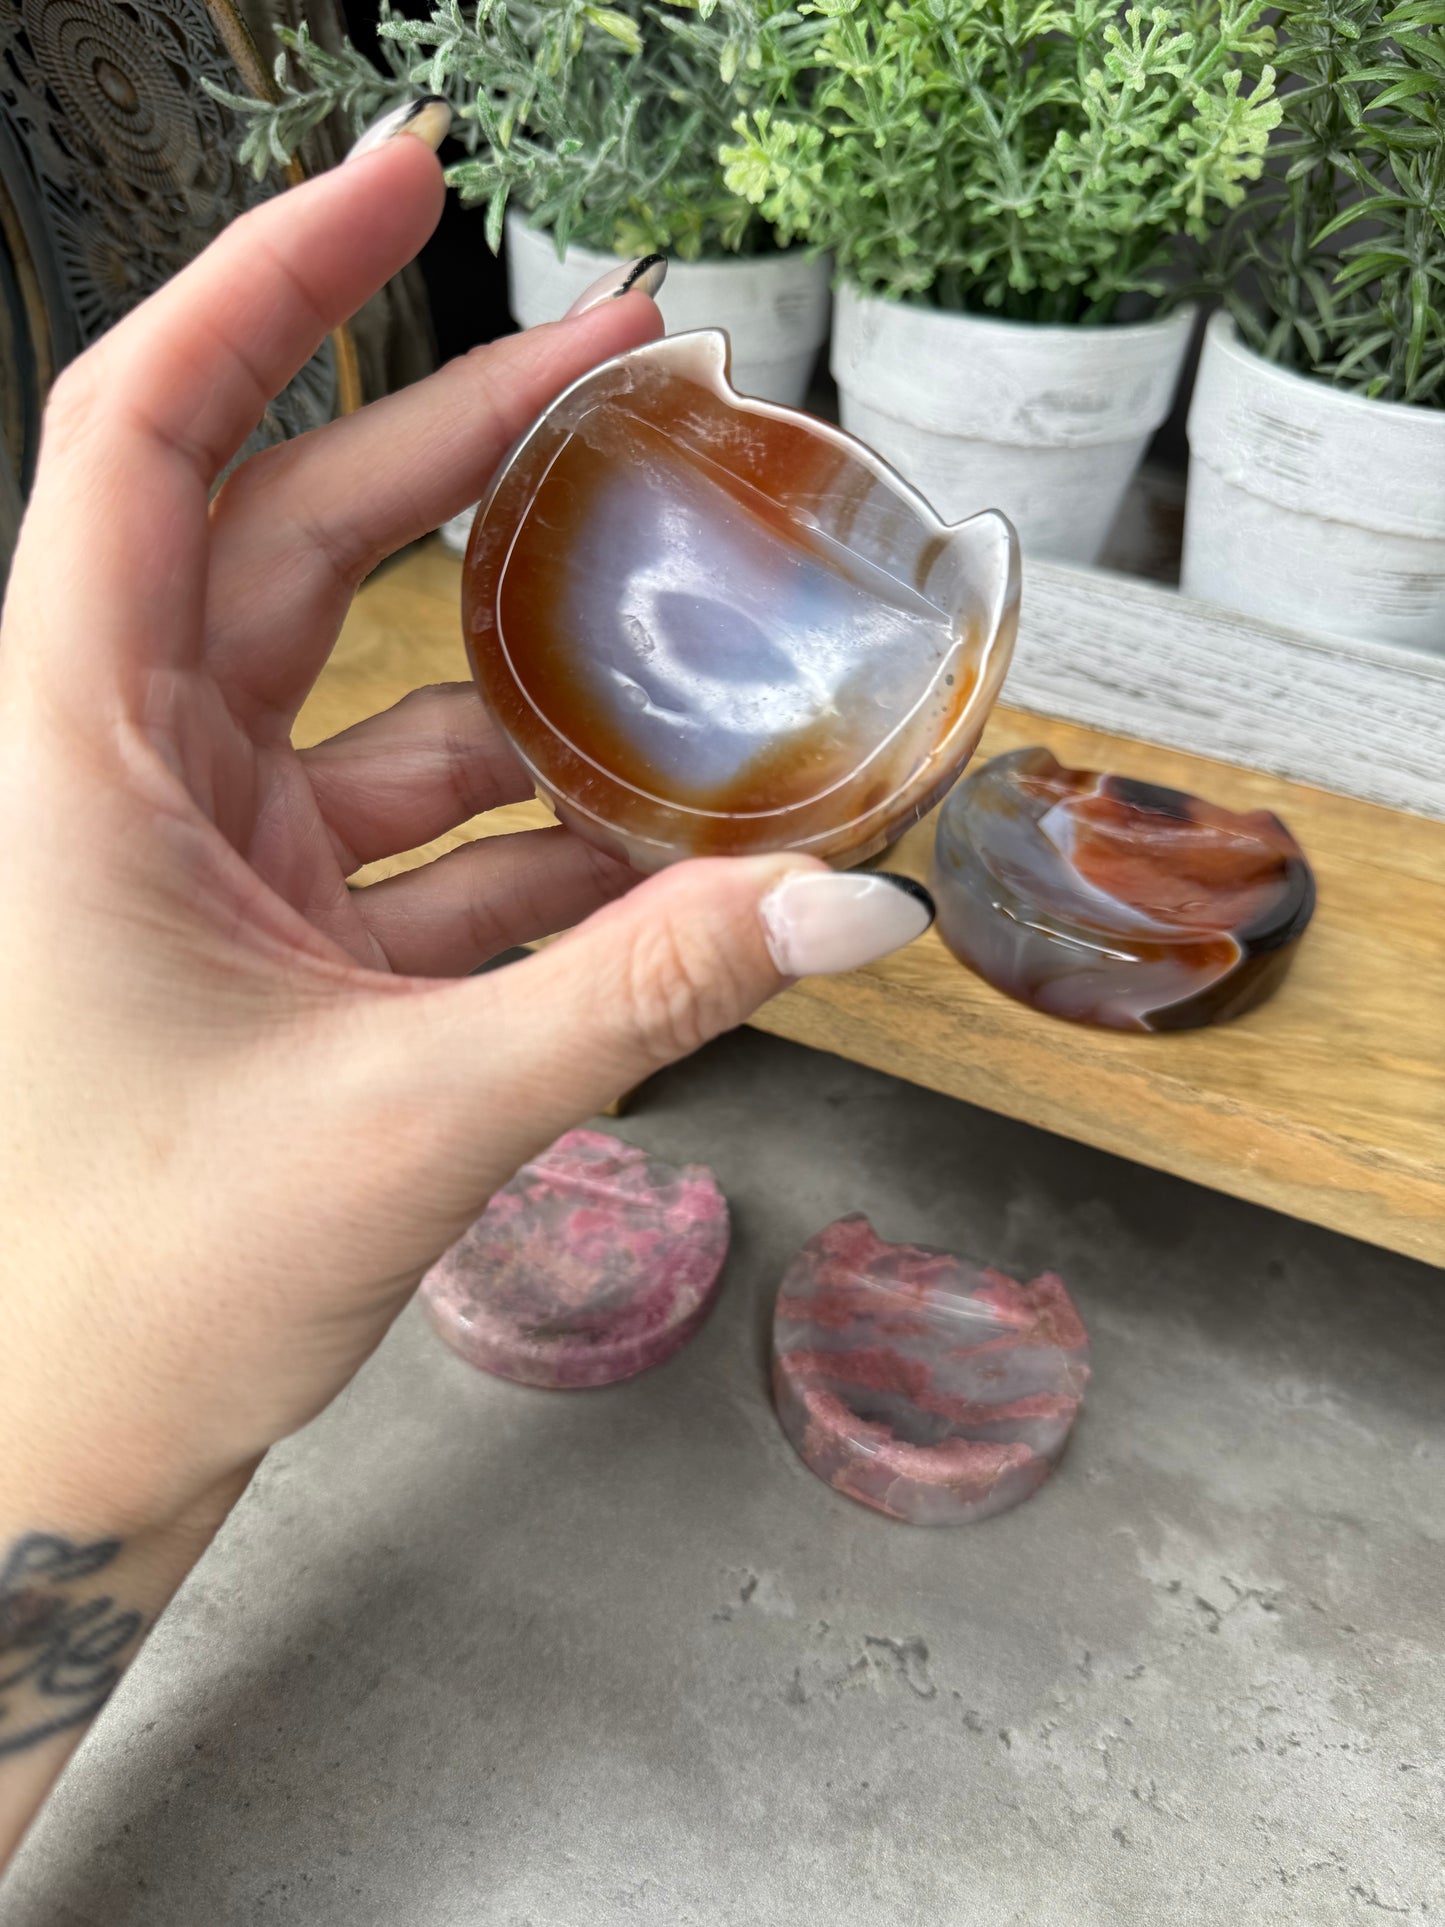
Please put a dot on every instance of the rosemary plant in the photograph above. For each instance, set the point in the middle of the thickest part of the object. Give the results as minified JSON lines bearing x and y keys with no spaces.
{"x":1038,"y":159}
{"x":1337,"y":266}
{"x":602,"y":121}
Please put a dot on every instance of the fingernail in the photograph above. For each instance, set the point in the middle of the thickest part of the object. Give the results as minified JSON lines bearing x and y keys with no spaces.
{"x":429,"y":119}
{"x":648,"y":273}
{"x":820,"y":921}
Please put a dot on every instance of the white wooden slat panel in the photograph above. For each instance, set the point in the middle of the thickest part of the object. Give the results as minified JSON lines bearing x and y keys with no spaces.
{"x":1364,"y":719}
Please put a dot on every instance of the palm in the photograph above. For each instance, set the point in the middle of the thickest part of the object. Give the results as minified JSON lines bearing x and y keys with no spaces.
{"x":255,"y":589}
{"x":260,"y":799}
{"x":205,"y":655}
{"x":304,"y":821}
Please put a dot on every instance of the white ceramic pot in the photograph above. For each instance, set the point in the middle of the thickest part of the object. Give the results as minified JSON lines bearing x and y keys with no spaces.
{"x":1313,"y":507}
{"x":1046,"y":423}
{"x":773,"y":306}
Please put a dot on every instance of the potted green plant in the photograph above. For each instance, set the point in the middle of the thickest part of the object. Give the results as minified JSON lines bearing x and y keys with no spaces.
{"x":1317,"y":430}
{"x":592,"y":131}
{"x":1004,"y":187}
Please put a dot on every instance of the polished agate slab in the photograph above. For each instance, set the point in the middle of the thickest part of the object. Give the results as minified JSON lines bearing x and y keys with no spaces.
{"x":595,"y":1263}
{"x":711,"y":624}
{"x":919,"y":1384}
{"x":1113,"y":902}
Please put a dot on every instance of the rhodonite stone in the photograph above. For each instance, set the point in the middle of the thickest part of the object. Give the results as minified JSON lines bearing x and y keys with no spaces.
{"x":594,"y":1263}
{"x":1113,"y":902}
{"x":711,"y":624}
{"x":919,"y":1384}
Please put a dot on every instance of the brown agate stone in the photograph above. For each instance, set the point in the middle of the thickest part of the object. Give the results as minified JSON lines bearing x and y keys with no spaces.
{"x":711,"y":624}
{"x":1113,"y":902}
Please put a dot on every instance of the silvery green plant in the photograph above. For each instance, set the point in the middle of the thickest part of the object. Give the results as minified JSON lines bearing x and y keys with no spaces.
{"x":603,"y":122}
{"x":1337,"y":265}
{"x":1027,"y":158}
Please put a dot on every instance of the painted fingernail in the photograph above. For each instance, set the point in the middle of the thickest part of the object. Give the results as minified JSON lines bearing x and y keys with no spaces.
{"x":648,"y":273}
{"x":429,"y":119}
{"x":820,"y":921}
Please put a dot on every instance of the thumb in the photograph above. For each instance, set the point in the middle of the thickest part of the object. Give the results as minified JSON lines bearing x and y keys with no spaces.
{"x":527,"y":1051}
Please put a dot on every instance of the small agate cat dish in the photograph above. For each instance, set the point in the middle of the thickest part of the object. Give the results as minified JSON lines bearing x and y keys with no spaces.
{"x":1114,"y":902}
{"x":713,"y":625}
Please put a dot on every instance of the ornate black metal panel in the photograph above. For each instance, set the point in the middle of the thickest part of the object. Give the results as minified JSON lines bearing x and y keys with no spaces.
{"x":116,"y":168}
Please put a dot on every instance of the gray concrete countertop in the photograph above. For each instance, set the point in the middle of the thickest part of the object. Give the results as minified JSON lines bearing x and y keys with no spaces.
{"x":470,"y":1654}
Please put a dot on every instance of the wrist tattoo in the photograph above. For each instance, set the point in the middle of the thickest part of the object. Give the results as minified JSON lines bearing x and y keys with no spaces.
{"x":62,"y":1648}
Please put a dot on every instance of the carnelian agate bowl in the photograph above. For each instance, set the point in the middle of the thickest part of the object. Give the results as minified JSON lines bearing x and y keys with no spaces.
{"x":1114,"y":902}
{"x":715,"y":625}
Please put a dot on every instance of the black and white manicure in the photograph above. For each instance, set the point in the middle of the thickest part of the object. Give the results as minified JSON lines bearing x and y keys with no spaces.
{"x":646,"y":274}
{"x":816,"y":922}
{"x":429,"y":118}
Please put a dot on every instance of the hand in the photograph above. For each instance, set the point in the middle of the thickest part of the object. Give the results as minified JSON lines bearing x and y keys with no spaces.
{"x":241,"y":1107}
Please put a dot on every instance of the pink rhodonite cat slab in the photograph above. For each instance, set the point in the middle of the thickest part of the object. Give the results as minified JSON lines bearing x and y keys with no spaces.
{"x":594,"y":1263}
{"x":919,"y":1384}
{"x":1113,"y":902}
{"x":711,"y":625}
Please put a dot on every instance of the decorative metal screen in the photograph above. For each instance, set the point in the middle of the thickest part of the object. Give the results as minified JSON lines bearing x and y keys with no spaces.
{"x":116,"y":168}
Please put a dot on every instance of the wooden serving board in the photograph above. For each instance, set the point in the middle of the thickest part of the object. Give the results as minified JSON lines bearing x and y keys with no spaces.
{"x":1327,"y":1103}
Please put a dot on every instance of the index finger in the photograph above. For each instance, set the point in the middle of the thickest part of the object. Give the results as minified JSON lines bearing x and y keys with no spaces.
{"x":140,"y":425}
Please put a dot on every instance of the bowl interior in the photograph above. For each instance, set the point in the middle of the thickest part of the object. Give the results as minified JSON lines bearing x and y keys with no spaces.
{"x":715,"y":623}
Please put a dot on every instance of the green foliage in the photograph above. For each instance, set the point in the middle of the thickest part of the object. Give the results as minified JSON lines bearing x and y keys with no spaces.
{"x":1034,"y":158}
{"x":603,"y":122}
{"x":344,"y":82}
{"x":1337,"y":268}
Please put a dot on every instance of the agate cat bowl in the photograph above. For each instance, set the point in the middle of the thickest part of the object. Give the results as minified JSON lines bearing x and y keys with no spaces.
{"x":712,"y":625}
{"x":1114,"y":902}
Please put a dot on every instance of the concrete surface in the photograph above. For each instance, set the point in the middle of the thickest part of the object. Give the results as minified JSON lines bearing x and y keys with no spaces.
{"x":473,"y":1654}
